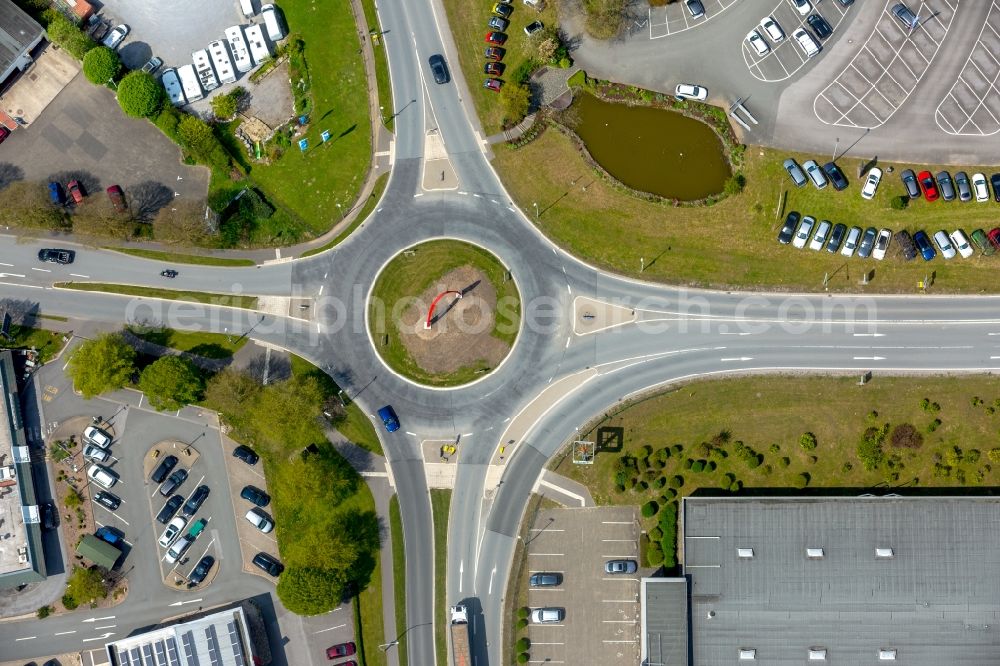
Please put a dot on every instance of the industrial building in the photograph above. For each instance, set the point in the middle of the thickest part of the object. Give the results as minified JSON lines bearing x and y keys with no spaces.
{"x":19,"y":35}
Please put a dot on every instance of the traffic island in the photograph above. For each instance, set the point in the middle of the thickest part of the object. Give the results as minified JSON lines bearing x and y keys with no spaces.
{"x":444,"y":313}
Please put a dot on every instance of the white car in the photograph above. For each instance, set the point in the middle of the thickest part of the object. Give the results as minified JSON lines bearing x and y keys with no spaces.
{"x":805,"y":229}
{"x":260,"y":520}
{"x":547,"y":615}
{"x":688,"y":91}
{"x":116,"y":36}
{"x":881,"y":244}
{"x":91,"y":452}
{"x":802,"y":6}
{"x":96,"y":436}
{"x":177,"y":550}
{"x":821,"y":236}
{"x":757,"y":43}
{"x":102,"y":476}
{"x":851,"y":244}
{"x":980,"y":187}
{"x":944,"y":244}
{"x":806,"y":42}
{"x":961,"y":242}
{"x":772,"y":29}
{"x":871,"y":184}
{"x":173,"y":529}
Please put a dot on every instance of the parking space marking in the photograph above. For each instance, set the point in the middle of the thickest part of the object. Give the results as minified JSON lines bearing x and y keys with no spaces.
{"x":758,"y":64}
{"x":619,"y":601}
{"x":339,"y":626}
{"x":661,"y":19}
{"x":548,"y":554}
{"x":951,"y":111}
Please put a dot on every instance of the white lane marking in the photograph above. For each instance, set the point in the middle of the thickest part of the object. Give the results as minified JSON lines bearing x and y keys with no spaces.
{"x":98,"y":619}
{"x":78,"y":275}
{"x":569,"y":289}
{"x":64,"y":633}
{"x":737,"y":358}
{"x":461,"y":574}
{"x":869,"y":358}
{"x":27,"y":286}
{"x":99,"y":638}
{"x":3,"y":264}
{"x":26,"y":638}
{"x":189,"y":601}
{"x":869,"y":335}
{"x":42,"y":270}
{"x":11,"y":275}
{"x":546,"y":554}
{"x":567,"y":342}
{"x":339,"y":626}
{"x":492,"y":574}
{"x":109,"y":626}
{"x":321,"y":289}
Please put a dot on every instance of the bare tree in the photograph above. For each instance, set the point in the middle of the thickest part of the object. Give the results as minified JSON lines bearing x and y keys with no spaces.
{"x":182,"y":222}
{"x":28,"y":205}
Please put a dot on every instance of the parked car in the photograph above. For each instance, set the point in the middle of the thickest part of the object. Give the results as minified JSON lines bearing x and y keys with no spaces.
{"x":851,"y":244}
{"x":97,"y":437}
{"x":906,"y":245}
{"x":924,"y":245}
{"x":928,"y":185}
{"x":169,"y":509}
{"x":945,"y":185}
{"x":690,"y":91}
{"x":867,"y":242}
{"x":438,"y":67}
{"x":944,"y":244}
{"x":496,"y":38}
{"x":56,"y":256}
{"x":836,"y":237}
{"x":802,"y":235}
{"x":255,"y":495}
{"x":110,"y":535}
{"x":881,"y":244}
{"x":152,"y":65}
{"x":836,"y":175}
{"x":801,"y":6}
{"x":173,"y":529}
{"x":963,"y":186}
{"x":961,"y":243}
{"x":102,"y":476}
{"x":819,"y":238}
{"x":194,"y":502}
{"x":533,"y":28}
{"x":503,"y":9}
{"x":74,"y":191}
{"x":107,"y":500}
{"x":980,"y":240}
{"x":819,"y":26}
{"x":620,"y":567}
{"x":904,"y":15}
{"x":794,"y":172}
{"x":788,"y":230}
{"x":56,"y":194}
{"x":176,"y":551}
{"x":995,"y":182}
{"x":268,"y":563}
{"x":91,"y":452}
{"x":340,"y":650}
{"x":695,"y":8}
{"x":493,"y":84}
{"x":161,"y":471}
{"x":871,"y":183}
{"x":493,"y":68}
{"x":547,"y":615}
{"x":246,"y":454}
{"x":498,"y":23}
{"x":542,"y":579}
{"x":260,"y":520}
{"x":757,"y":43}
{"x":910,"y":183}
{"x":994,"y":236}
{"x":806,"y":42}
{"x":50,"y":516}
{"x":772,"y":29}
{"x":201,"y":570}
{"x":815,"y":174}
{"x":982,"y":190}
{"x":116,"y":36}
{"x":173,"y":482}
{"x":389,"y":418}
{"x":493,"y":53}
{"x":117,"y":199}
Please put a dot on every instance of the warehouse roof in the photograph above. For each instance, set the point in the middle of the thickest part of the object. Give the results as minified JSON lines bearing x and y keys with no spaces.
{"x":18,"y":31}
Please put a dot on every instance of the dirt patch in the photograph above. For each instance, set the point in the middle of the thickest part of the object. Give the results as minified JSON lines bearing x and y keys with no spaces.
{"x":461,"y":330}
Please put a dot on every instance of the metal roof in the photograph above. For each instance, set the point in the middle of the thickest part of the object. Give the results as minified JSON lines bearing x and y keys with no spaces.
{"x":664,"y":621}
{"x":17,"y":32}
{"x":100,"y":552}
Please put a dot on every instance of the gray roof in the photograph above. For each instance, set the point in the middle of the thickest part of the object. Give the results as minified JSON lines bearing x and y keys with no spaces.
{"x":17,"y":32}
{"x":216,"y":639}
{"x":100,"y":552}
{"x":935,"y":600}
{"x":664,"y":622}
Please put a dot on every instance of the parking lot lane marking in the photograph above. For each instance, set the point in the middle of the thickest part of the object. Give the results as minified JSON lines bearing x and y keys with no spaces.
{"x":619,"y":601}
{"x":547,"y":554}
{"x":339,"y":626}
{"x":702,"y":537}
{"x":540,"y":643}
{"x":492,"y":574}
{"x":64,"y":633}
{"x":633,"y":641}
{"x":26,"y":638}
{"x":3,"y":264}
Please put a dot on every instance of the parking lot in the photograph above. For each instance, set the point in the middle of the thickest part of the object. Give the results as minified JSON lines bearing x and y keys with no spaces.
{"x":252,"y":540}
{"x":601,"y":622}
{"x":972,"y":106}
{"x":675,"y":17}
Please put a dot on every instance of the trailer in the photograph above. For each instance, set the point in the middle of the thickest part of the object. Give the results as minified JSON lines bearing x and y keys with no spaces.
{"x":258,"y":46}
{"x":172,"y":84}
{"x":189,"y":83}
{"x":461,"y":655}
{"x":247,"y":7}
{"x":270,"y":15}
{"x":203,"y":67}
{"x":238,"y":47}
{"x":220,"y":58}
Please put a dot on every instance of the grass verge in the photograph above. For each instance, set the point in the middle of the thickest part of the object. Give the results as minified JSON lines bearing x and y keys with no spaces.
{"x":177,"y":258}
{"x":207,"y":345}
{"x":409,"y":275}
{"x":381,"y":65}
{"x":733,"y":243}
{"x":369,"y":629}
{"x":225,"y":300}
{"x":366,"y":210}
{"x":398,"y":576}
{"x":47,"y":343}
{"x":440,"y":503}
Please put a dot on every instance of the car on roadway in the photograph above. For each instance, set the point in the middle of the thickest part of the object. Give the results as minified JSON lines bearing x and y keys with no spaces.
{"x":117,"y":197}
{"x":819,"y":26}
{"x":995,"y":182}
{"x":503,"y":9}
{"x":906,"y":245}
{"x":910,"y":183}
{"x":805,"y":229}
{"x":438,"y":68}
{"x":801,"y":6}
{"x":194,"y":502}
{"x":945,"y":185}
{"x":169,"y":509}
{"x":173,"y":529}
{"x":547,"y":615}
{"x":201,"y":570}
{"x":871,"y":183}
{"x":173,"y":482}
{"x":851,"y":244}
{"x":794,"y":172}
{"x":545,"y":579}
{"x":102,"y":476}
{"x":944,"y":244}
{"x":260,"y":520}
{"x":772,"y":29}
{"x":836,"y":176}
{"x":836,"y":237}
{"x":107,"y":500}
{"x":152,"y":65}
{"x":815,"y":174}
{"x":788,"y":229}
{"x":924,"y":245}
{"x":493,"y":68}
{"x":91,"y":452}
{"x":981,"y":241}
{"x":161,"y":471}
{"x":340,"y":650}
{"x":757,"y":43}
{"x":620,"y":567}
{"x":246,"y":454}
{"x":496,"y":38}
{"x":994,"y":237}
{"x":498,"y":23}
{"x":980,"y":187}
{"x":116,"y":36}
{"x":255,"y":496}
{"x":867,"y":242}
{"x":961,"y":243}
{"x":691,"y":91}
{"x":695,"y":8}
{"x":268,"y":564}
{"x":56,"y":256}
{"x":904,"y":15}
{"x":821,"y":235}
{"x":963,"y":186}
{"x":533,"y":28}
{"x":389,"y":418}
{"x":176,"y":551}
{"x":97,"y":437}
{"x":928,"y":186}
{"x":882,"y":244}
{"x":493,"y":53}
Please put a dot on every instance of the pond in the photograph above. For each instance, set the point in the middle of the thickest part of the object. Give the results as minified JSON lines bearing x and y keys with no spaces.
{"x":653,"y":150}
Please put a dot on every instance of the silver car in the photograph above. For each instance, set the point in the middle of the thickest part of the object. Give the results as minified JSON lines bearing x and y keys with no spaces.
{"x":851,"y":244}
{"x":620,"y":567}
{"x":821,"y":235}
{"x":805,"y":229}
{"x":795,"y":172}
{"x":816,"y":174}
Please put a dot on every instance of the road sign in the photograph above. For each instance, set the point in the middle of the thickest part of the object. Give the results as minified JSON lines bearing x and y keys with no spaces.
{"x":303,"y":144}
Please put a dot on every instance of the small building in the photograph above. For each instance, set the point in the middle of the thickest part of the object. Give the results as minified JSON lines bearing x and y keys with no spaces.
{"x":19,"y":35}
{"x":98,"y":551}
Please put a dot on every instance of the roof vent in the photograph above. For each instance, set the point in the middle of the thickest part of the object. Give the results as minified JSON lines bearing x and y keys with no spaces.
{"x":814,"y":553}
{"x":817,"y":654}
{"x":748,"y":654}
{"x":745,"y":553}
{"x":710,"y":615}
{"x":883,"y":552}
{"x":887,"y":654}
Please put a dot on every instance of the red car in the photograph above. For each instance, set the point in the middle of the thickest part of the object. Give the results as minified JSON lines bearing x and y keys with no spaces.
{"x":495,"y":38}
{"x":928,"y":185}
{"x":340,"y":650}
{"x":4,"y":133}
{"x":117,"y":198}
{"x":493,"y":84}
{"x":994,"y":237}
{"x":493,"y":69}
{"x":75,"y":193}
{"x":493,"y":53}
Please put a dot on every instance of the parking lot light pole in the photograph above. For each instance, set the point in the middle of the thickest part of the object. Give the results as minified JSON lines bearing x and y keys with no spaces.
{"x":835,"y":146}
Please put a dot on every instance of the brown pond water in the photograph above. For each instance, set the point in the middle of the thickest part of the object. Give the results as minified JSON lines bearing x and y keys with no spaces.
{"x":653,"y":150}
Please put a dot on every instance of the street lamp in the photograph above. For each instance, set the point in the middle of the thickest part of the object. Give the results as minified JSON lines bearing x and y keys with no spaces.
{"x":835,"y":146}
{"x":341,"y":209}
{"x":381,"y":113}
{"x":536,"y":211}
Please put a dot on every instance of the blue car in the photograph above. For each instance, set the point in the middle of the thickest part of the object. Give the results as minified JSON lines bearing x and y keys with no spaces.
{"x":56,"y":194}
{"x":389,"y":418}
{"x":924,"y":245}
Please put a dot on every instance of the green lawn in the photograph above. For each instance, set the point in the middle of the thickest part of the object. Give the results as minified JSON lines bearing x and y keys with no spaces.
{"x":310,"y":184}
{"x":207,"y":345}
{"x":409,"y":276}
{"x":226,"y":300}
{"x":398,"y":576}
{"x":47,"y":343}
{"x":440,"y":503}
{"x":733,"y":243}
{"x":177,"y":258}
{"x":381,"y":65}
{"x":370,"y":627}
{"x":366,"y":210}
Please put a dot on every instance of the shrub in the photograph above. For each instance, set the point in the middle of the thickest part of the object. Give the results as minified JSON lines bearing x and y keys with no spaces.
{"x":976,"y":401}
{"x":522,"y":623}
{"x":171,"y":382}
{"x":27,"y":204}
{"x":523,"y":658}
{"x":766,"y":470}
{"x":847,"y":467}
{"x":654,"y":555}
{"x":523,"y":612}
{"x":44,"y":612}
{"x":704,"y":450}
{"x":899,"y":203}
{"x":655,"y":534}
{"x":101,"y":65}
{"x":66,"y":35}
{"x":727,"y":480}
{"x":933,"y":425}
{"x":73,"y":498}
{"x":660,"y":482}
{"x":676,"y":481}
{"x":515,"y":99}
{"x":677,"y":449}
{"x":663,"y":454}
{"x":994,"y":455}
{"x":688,"y":464}
{"x":697,"y":466}
{"x":972,"y":456}
{"x":523,"y":644}
{"x":807,"y":441}
{"x":736,"y":486}
{"x":103,"y":363}
{"x":646,"y":450}
{"x":224,"y":106}
{"x":750,"y":458}
{"x":785,"y":461}
{"x":668,"y":523}
{"x":139,"y":95}
{"x":735,"y":183}
{"x":954,"y":456}
{"x":642,"y":486}
{"x":802,"y":480}
{"x":774,"y":448}
{"x":650,"y":508}
{"x":869,"y":450}
{"x":710,"y":466}
{"x":906,"y":436}
{"x":565,"y":63}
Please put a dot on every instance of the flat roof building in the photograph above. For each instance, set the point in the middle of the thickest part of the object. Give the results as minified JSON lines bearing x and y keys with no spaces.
{"x":19,"y":34}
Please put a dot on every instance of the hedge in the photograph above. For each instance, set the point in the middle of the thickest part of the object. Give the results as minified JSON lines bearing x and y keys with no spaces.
{"x":668,"y":524}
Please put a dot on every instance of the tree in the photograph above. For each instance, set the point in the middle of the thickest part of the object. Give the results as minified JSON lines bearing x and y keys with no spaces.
{"x":547,"y":48}
{"x":100,"y":65}
{"x":66,"y":35}
{"x":516,"y":99}
{"x":224,"y":106}
{"x":28,"y":205}
{"x":139,"y":95}
{"x":302,"y":397}
{"x":97,"y":217}
{"x":171,"y":382}
{"x":231,"y":392}
{"x":807,"y":441}
{"x":105,"y":363}
{"x":182,"y":221}
{"x":85,"y":583}
{"x":310,"y":591}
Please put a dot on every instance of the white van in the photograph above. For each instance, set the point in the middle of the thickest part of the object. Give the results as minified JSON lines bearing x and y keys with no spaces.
{"x":189,"y":83}
{"x":172,"y":84}
{"x":238,"y":47}
{"x":806,"y":42}
{"x":247,"y":7}
{"x":271,"y":22}
{"x":223,"y":65}
{"x":258,"y":46}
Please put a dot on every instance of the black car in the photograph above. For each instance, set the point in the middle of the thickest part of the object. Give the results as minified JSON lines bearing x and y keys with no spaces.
{"x":163,"y":469}
{"x":695,"y":8}
{"x":787,"y":231}
{"x":438,"y":67}
{"x":995,"y":182}
{"x":544,"y":579}
{"x":194,"y":502}
{"x":836,"y":175}
{"x":847,"y":3}
{"x":169,"y":509}
{"x":246,"y":454}
{"x":867,"y":242}
{"x":945,"y":185}
{"x":255,"y":495}
{"x":819,"y":26}
{"x":50,"y":517}
{"x":904,"y":15}
{"x":268,"y":564}
{"x":107,"y":500}
{"x":55,"y":256}
{"x":906,"y":244}
{"x":836,"y":237}
{"x":910,"y":183}
{"x":201,"y":570}
{"x":173,"y":482}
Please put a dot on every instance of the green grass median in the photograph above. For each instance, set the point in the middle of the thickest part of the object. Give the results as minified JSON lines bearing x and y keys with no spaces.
{"x":223,"y":300}
{"x":179,"y":258}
